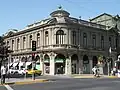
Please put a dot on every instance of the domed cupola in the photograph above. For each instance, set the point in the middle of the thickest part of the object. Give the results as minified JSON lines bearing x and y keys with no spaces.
{"x":60,"y":13}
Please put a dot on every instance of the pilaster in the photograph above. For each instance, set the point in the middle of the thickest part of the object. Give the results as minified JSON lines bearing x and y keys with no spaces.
{"x":52,"y":64}
{"x":68,"y":66}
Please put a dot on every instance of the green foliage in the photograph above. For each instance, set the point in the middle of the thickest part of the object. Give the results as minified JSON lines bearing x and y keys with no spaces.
{"x":1,"y":40}
{"x":100,"y":58}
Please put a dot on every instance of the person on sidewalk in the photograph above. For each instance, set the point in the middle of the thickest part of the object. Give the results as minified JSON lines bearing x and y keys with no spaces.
{"x":3,"y":74}
{"x":8,"y":73}
{"x":94,"y":70}
{"x":114,"y":71}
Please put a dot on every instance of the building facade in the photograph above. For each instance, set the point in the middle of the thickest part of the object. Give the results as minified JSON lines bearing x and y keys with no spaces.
{"x":65,"y":45}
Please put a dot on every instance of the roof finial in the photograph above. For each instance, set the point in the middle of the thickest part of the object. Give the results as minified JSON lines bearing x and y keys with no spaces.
{"x":60,"y":7}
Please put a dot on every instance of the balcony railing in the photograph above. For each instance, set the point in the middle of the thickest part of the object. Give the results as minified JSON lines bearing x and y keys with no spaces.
{"x":86,"y":23}
{"x":66,"y":46}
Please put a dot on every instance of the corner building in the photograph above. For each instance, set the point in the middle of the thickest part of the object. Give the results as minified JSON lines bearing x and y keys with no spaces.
{"x":65,"y":45}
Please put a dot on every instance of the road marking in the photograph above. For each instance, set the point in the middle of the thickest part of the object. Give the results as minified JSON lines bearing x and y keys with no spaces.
{"x":117,"y":81}
{"x":8,"y":87}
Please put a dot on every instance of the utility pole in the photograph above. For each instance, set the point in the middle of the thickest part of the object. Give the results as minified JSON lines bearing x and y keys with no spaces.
{"x":108,"y":68}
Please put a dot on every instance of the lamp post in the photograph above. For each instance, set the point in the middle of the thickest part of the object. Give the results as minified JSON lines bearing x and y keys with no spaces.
{"x":109,"y":61}
{"x":25,"y":67}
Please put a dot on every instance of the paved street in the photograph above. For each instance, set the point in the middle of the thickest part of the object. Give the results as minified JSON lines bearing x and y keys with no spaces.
{"x":69,"y":84}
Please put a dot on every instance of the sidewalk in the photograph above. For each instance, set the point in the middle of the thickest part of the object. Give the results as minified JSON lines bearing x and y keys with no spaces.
{"x":23,"y":81}
{"x":91,"y":76}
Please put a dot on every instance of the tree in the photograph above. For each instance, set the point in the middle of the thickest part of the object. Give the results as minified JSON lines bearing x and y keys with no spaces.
{"x":4,"y":51}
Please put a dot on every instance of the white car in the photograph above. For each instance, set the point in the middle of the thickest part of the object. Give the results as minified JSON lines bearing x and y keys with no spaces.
{"x":13,"y":71}
{"x":21,"y":72}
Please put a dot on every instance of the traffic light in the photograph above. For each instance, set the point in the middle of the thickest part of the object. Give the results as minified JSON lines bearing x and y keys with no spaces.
{"x":33,"y":45}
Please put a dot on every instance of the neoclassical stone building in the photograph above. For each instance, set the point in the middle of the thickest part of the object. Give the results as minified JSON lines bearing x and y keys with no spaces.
{"x":65,"y":45}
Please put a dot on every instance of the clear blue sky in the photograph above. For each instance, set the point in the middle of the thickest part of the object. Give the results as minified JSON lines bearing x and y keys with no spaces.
{"x":17,"y":14}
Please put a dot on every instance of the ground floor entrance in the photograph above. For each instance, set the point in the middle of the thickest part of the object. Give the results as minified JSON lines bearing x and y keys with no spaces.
{"x":60,"y":64}
{"x":52,"y":63}
{"x":59,"y":68}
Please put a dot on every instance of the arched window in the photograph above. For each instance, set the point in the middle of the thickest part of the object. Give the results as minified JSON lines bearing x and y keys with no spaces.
{"x":94,"y":40}
{"x":60,"y":36}
{"x":13,"y":44}
{"x":7,"y":43}
{"x":18,"y":44}
{"x":24,"y":42}
{"x":102,"y":42}
{"x":30,"y":41}
{"x":110,"y":41}
{"x":38,"y":39}
{"x":116,"y":42}
{"x":74,"y":37}
{"x":46,"y":38}
{"x":85,"y":39}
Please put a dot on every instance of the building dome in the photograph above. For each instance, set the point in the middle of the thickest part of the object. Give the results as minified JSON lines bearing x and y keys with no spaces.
{"x":60,"y":13}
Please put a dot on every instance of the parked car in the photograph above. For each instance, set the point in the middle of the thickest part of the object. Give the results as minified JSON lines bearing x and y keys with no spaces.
{"x":13,"y":71}
{"x":21,"y":72}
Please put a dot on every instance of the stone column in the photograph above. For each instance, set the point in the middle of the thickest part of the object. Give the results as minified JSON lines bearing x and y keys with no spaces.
{"x":41,"y":38}
{"x":77,"y":67}
{"x":80,"y":64}
{"x":91,"y":66}
{"x":10,"y":44}
{"x":15,"y":44}
{"x":27,"y":41}
{"x":52,"y":64}
{"x":42,"y":63}
{"x":21,"y":43}
{"x":69,"y":38}
{"x":34,"y":36}
{"x":68,"y":66}
{"x":54,"y":36}
{"x":50,"y":36}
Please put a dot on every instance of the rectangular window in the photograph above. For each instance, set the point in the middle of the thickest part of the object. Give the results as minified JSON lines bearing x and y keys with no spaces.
{"x":94,"y":40}
{"x":18,"y":44}
{"x":116,"y":42}
{"x":85,"y":40}
{"x":24,"y":43}
{"x":102,"y":42}
{"x":12,"y":44}
{"x":74,"y":37}
{"x":110,"y":41}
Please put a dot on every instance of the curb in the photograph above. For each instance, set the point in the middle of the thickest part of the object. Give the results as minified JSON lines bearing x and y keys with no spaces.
{"x":90,"y":77}
{"x":26,"y":82}
{"x":84,"y":77}
{"x":111,"y":77}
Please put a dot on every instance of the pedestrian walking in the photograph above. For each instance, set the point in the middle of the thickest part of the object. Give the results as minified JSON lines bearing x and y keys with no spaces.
{"x":8,"y":73}
{"x":94,"y":70}
{"x":114,"y":71}
{"x":3,"y":74}
{"x":98,"y":72}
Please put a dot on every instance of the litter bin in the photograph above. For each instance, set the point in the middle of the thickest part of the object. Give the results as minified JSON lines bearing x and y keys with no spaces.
{"x":119,"y":73}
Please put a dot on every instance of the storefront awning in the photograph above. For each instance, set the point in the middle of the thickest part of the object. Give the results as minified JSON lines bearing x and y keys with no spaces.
{"x":59,"y":60}
{"x":46,"y":60}
{"x":15,"y":64}
{"x":28,"y":63}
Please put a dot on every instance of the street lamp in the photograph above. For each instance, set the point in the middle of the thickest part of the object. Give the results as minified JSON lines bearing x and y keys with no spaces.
{"x":109,"y":61}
